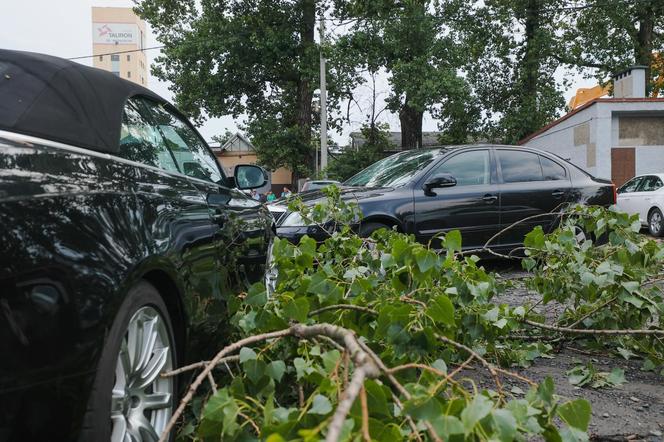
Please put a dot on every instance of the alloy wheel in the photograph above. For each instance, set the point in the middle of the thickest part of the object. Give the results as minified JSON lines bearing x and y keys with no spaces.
{"x":142,"y":401}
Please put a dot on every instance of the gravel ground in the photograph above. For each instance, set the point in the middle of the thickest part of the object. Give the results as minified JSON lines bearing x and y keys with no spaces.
{"x":634,"y":411}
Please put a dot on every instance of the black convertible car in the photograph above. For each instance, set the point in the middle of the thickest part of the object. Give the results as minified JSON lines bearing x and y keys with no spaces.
{"x":479,"y":190}
{"x":121,"y":241}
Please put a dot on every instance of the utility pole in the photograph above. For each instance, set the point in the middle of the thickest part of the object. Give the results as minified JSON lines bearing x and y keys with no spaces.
{"x":323,"y":100}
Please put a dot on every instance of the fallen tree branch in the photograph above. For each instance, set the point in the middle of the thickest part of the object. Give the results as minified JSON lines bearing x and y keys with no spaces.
{"x":198,"y":365}
{"x":358,"y":308}
{"x":591,"y":312}
{"x":581,"y":331}
{"x":492,"y":370}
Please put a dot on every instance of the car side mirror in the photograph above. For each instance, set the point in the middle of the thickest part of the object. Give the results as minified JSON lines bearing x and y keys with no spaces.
{"x":438,"y":181}
{"x":248,"y":176}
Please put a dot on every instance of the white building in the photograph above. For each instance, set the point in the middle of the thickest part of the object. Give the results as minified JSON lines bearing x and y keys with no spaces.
{"x":614,"y":138}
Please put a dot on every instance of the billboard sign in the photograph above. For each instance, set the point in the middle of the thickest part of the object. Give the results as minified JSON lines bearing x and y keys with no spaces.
{"x":115,"y":33}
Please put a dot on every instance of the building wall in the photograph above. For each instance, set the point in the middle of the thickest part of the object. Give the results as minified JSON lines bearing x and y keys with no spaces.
{"x":130,"y":66}
{"x":586,"y":138}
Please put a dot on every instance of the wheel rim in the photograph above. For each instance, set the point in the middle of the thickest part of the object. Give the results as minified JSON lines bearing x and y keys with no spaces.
{"x":141,"y":401}
{"x":655,"y":222}
{"x":271,"y":272}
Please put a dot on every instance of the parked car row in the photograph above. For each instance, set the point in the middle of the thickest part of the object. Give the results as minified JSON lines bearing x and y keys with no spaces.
{"x":121,"y":231}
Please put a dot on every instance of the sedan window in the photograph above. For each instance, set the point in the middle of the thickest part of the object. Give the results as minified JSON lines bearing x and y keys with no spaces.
{"x":393,"y":171}
{"x":552,"y":170}
{"x":518,"y":167}
{"x":649,"y":184}
{"x":631,"y":185}
{"x":468,"y":168}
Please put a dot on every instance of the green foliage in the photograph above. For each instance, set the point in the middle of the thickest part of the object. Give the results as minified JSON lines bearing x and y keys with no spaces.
{"x":405,"y":301}
{"x":587,"y":375}
{"x":601,"y":287}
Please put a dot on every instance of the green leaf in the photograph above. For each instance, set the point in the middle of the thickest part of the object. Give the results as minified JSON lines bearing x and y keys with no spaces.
{"x":576,"y":413}
{"x":477,"y":410}
{"x":320,"y":405}
{"x":276,"y":370}
{"x":256,"y":296}
{"x":426,"y":260}
{"x":453,"y":241}
{"x":447,"y":426}
{"x":297,"y":309}
{"x":441,"y":310}
{"x":505,"y":424}
{"x":246,"y":354}
{"x":616,"y":377}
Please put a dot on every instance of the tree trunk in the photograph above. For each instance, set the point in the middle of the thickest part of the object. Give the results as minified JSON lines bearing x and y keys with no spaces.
{"x":411,"y":127}
{"x":304,"y":89}
{"x":530,"y":69}
{"x":643,"y":45}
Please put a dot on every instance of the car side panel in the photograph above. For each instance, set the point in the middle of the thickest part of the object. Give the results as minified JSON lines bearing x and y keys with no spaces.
{"x":78,"y":230}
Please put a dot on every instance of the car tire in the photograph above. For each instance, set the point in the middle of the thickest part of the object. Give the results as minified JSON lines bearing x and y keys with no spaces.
{"x":366,"y":229}
{"x":140,"y":403}
{"x":656,"y":222}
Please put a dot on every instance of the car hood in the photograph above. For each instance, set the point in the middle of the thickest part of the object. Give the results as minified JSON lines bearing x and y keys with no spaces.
{"x":348,"y":193}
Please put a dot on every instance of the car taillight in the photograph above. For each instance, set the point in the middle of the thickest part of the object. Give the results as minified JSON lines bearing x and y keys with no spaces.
{"x":615,"y":194}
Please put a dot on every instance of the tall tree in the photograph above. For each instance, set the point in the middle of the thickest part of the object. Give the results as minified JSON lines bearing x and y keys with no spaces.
{"x":613,"y":34}
{"x":257,"y":58}
{"x":514,"y":45}
{"x":409,"y":41}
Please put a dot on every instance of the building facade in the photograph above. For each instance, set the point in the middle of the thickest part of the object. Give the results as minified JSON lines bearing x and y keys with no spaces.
{"x":239,"y":150}
{"x":615,"y":138}
{"x":118,"y":37}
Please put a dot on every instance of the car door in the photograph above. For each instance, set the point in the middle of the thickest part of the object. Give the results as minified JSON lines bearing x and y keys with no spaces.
{"x":532,"y":185}
{"x":240,"y":234}
{"x":642,"y":199}
{"x":626,"y":200}
{"x":177,"y":208}
{"x":472,"y":205}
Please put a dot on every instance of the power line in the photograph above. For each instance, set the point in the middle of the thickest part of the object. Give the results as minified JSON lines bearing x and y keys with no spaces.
{"x":117,"y":52}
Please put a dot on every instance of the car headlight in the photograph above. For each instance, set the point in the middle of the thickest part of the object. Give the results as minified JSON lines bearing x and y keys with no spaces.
{"x":294,"y":219}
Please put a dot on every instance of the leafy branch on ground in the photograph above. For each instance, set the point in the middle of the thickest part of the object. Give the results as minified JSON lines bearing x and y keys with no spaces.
{"x":374,"y":338}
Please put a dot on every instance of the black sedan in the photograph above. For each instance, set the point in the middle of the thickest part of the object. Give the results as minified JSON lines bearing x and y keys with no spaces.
{"x":479,"y":190}
{"x":122,"y":242}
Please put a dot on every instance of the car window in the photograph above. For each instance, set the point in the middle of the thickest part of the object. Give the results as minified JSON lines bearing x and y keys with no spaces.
{"x":552,"y":170}
{"x":395,"y":170}
{"x":468,"y":168}
{"x":649,"y":184}
{"x":631,"y":185}
{"x":190,"y":152}
{"x":518,"y":167}
{"x":141,"y":141}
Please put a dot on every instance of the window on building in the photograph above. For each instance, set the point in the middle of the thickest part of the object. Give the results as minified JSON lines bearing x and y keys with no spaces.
{"x":519,"y":167}
{"x":101,"y":58}
{"x":128,"y":74}
{"x":128,"y":57}
{"x":115,"y":57}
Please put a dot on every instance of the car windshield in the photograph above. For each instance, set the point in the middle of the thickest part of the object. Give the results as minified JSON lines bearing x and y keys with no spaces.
{"x":394,"y":171}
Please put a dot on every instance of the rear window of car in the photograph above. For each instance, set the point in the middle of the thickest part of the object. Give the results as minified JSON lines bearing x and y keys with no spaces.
{"x":519,"y":167}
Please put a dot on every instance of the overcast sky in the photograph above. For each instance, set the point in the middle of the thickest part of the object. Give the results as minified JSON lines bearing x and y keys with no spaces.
{"x":63,"y":28}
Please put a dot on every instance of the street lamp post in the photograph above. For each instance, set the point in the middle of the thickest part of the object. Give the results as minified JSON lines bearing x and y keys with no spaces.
{"x":323,"y":101}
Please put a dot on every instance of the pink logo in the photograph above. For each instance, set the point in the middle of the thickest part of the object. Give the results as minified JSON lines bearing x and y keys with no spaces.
{"x":104,"y":30}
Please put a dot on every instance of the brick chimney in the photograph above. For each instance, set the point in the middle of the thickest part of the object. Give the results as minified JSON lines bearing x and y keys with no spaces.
{"x":630,"y":83}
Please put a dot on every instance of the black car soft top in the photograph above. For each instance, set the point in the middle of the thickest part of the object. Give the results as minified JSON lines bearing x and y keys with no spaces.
{"x":64,"y":101}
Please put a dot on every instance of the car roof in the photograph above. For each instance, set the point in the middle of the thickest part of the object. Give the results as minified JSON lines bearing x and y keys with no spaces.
{"x":659,"y":175}
{"x":61,"y":100}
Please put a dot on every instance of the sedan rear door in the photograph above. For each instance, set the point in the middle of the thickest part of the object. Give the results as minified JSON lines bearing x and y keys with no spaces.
{"x":532,"y":186}
{"x":472,"y":205}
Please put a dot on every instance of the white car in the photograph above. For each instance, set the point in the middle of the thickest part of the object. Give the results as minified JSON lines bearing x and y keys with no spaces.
{"x":644,"y":195}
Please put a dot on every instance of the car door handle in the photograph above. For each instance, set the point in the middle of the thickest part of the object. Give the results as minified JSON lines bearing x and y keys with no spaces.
{"x":558,"y":193}
{"x":489,"y":199}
